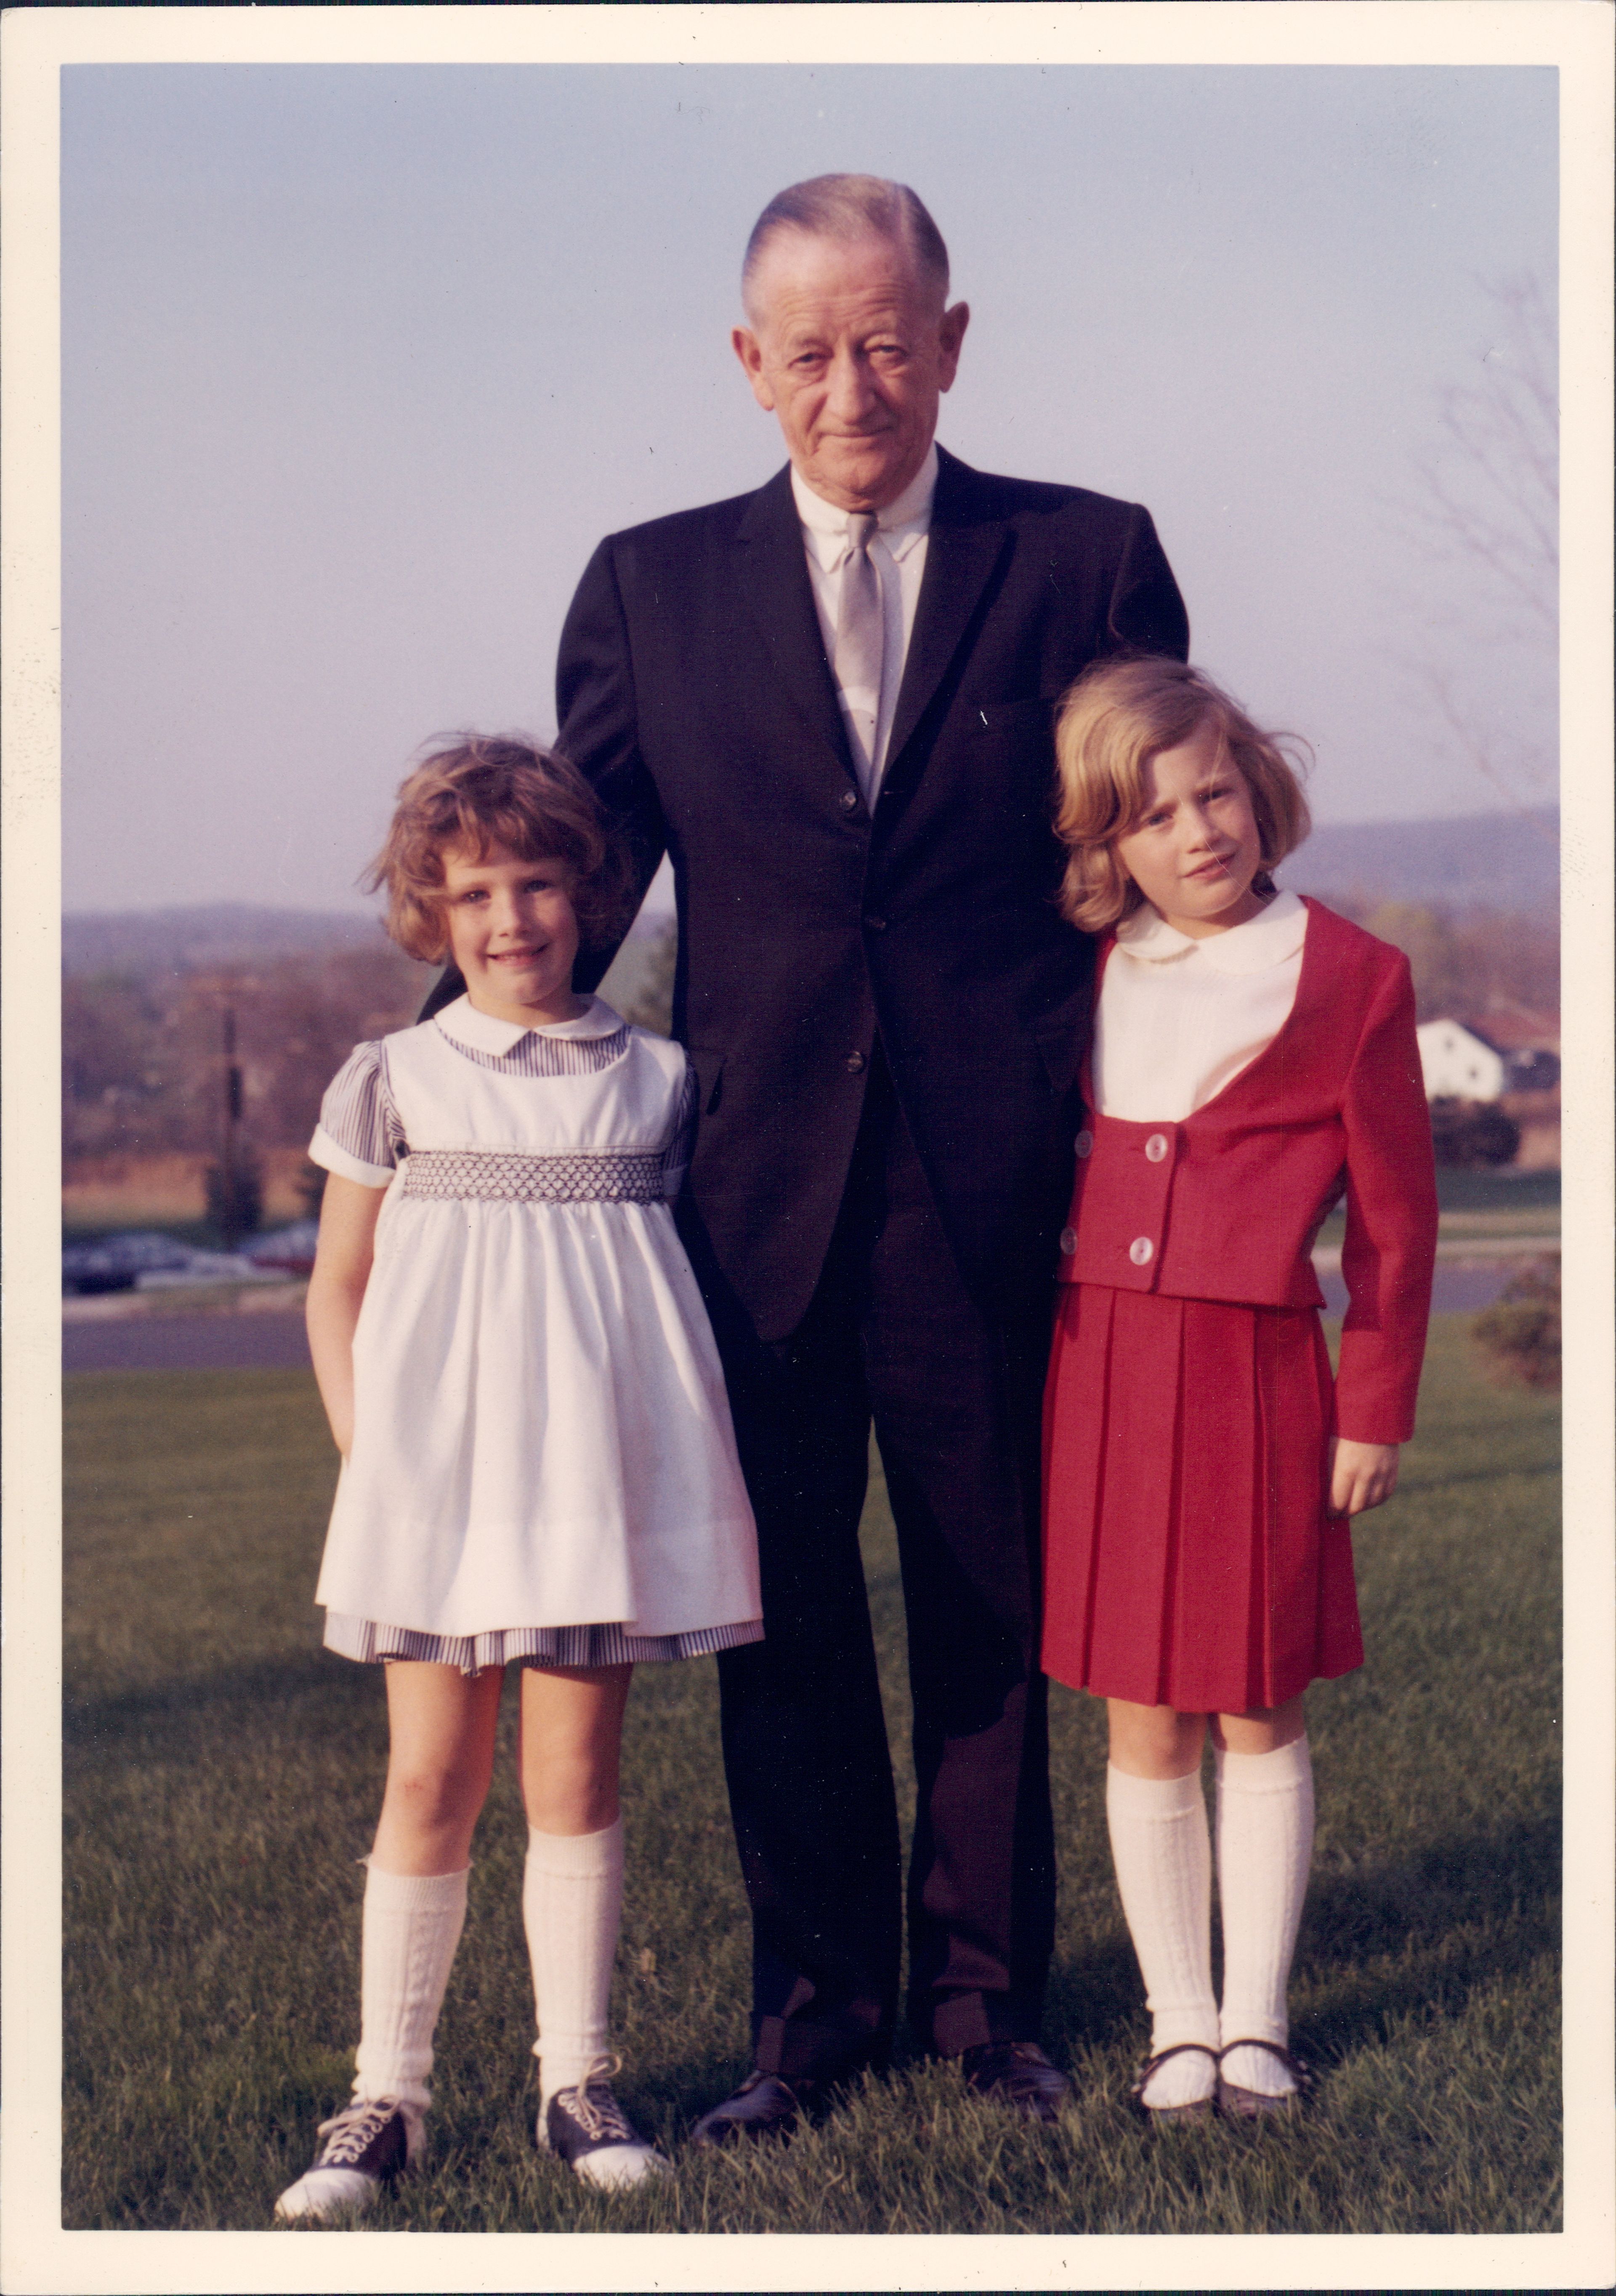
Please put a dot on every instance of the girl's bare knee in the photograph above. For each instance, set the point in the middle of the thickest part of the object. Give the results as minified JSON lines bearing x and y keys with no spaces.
{"x":431,"y":1798}
{"x":1262,"y":1730}
{"x":1155,"y":1742}
{"x":576,"y":1796}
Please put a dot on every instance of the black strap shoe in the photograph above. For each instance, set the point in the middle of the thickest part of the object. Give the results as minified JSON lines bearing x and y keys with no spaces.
{"x":1016,"y":2073}
{"x":764,"y":2105}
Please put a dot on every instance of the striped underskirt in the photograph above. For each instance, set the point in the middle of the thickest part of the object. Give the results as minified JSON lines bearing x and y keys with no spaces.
{"x":583,"y":1176}
{"x":368,"y":1641}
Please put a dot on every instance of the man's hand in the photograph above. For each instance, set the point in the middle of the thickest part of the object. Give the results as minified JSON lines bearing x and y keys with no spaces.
{"x":1362,"y":1475}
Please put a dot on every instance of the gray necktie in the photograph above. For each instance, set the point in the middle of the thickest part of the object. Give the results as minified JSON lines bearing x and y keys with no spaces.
{"x":860,"y":641}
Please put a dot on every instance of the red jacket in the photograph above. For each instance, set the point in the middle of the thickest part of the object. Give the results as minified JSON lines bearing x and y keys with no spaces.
{"x":1227,"y":1204}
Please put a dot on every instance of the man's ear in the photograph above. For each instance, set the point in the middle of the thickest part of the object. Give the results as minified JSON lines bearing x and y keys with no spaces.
{"x":950,"y":335}
{"x":749,"y":350}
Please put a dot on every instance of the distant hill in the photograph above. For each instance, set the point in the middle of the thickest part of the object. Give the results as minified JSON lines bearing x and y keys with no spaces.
{"x":147,"y":944}
{"x":1505,"y":861}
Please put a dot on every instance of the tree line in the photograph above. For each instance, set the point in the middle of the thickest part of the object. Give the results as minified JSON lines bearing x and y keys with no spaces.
{"x":145,"y":1069}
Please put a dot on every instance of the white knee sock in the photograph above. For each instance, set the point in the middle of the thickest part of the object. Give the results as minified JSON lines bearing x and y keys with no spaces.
{"x":412,"y":1926}
{"x":572,"y":1905}
{"x":1164,"y":1873}
{"x":1265,"y":1846}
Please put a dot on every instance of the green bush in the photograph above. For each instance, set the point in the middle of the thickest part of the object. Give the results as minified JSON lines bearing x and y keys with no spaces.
{"x":1472,"y":1135}
{"x":1519,"y":1333}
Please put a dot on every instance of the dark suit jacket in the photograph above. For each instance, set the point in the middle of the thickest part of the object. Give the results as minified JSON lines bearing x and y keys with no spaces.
{"x":693,"y":692}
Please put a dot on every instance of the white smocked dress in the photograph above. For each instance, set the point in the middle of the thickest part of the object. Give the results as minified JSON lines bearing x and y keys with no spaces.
{"x":543,"y":1465}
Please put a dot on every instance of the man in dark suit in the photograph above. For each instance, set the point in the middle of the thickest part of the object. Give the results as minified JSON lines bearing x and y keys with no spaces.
{"x":831,"y":702}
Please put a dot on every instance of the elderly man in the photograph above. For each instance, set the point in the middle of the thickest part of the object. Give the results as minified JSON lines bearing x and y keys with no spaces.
{"x":831,"y":702}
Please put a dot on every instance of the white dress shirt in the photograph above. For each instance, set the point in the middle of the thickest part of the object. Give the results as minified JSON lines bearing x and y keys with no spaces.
{"x":898,"y":552}
{"x":1179,"y":1018}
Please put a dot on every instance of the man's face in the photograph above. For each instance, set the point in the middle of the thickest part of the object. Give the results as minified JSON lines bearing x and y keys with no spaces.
{"x":850,"y":348}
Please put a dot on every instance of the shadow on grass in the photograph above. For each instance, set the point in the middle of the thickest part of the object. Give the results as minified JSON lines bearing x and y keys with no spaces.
{"x":1415,"y":1935}
{"x":96,"y":1724}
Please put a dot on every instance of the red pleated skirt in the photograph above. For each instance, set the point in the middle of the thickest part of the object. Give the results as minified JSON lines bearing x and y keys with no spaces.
{"x":1188,"y":1559}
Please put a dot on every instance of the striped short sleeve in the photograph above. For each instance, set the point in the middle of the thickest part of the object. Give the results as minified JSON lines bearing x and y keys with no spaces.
{"x":676,"y":1156}
{"x":360,"y":1135}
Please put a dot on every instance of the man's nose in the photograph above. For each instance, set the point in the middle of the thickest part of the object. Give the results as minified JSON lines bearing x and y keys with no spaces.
{"x":852,"y":393}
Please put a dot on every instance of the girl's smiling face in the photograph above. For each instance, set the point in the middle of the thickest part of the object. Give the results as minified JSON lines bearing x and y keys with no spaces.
{"x":1195,"y":847}
{"x":514,"y":933}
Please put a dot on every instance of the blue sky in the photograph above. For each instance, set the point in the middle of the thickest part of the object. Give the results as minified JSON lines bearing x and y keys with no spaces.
{"x":360,"y":361}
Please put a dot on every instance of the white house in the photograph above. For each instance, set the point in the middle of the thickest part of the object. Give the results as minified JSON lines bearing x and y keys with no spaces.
{"x":1458,"y":1063}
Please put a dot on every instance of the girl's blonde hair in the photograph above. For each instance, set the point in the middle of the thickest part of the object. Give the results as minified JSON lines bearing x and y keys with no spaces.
{"x":489,"y":789}
{"x":1112,"y":722}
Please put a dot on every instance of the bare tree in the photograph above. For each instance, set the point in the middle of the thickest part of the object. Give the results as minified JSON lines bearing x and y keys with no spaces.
{"x":1484,"y":513}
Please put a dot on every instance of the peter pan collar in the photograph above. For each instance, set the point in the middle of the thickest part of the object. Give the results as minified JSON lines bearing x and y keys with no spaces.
{"x":480,"y":1032}
{"x":1271,"y":938}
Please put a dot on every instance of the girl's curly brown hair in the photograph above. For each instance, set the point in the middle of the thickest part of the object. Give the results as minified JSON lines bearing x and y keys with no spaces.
{"x":496,"y":789}
{"x":1112,"y":722}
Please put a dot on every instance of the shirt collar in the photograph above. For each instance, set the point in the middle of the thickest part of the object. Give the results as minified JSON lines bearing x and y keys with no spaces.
{"x":1271,"y":938}
{"x":480,"y":1032}
{"x":900,"y":524}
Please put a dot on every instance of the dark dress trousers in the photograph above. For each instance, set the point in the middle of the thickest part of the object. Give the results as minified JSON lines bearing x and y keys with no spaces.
{"x":886,"y":1015}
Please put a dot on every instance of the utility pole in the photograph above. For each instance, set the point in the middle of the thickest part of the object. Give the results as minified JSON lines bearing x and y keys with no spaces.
{"x":233,"y":1223}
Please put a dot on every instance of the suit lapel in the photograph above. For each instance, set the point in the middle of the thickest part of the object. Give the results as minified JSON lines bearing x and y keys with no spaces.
{"x":779,"y":598}
{"x":962,"y":548}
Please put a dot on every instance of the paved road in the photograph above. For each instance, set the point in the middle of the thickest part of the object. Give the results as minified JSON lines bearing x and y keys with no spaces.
{"x":1458,"y":1290}
{"x":276,"y":1342}
{"x":272,"y":1341}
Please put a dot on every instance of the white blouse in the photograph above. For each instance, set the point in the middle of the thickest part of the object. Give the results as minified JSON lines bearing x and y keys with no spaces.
{"x":1179,"y":1018}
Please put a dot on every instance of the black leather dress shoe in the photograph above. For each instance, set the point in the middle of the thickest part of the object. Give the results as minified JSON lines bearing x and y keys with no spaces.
{"x":1016,"y":2073}
{"x":764,"y":2105}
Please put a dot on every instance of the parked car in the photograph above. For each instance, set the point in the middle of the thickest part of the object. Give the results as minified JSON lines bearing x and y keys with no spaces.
{"x":115,"y":1263}
{"x":287,"y":1250}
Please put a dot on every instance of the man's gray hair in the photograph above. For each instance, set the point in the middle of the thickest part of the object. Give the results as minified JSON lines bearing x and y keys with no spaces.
{"x":851,"y":208}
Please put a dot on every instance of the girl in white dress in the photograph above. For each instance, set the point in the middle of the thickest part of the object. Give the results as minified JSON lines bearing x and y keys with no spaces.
{"x":539,"y":1466}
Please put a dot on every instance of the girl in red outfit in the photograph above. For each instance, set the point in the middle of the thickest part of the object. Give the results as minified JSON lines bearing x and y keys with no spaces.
{"x":1253,"y":1060}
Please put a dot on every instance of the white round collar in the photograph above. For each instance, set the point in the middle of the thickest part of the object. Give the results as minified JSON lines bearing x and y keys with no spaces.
{"x":1271,"y":938}
{"x":480,"y":1032}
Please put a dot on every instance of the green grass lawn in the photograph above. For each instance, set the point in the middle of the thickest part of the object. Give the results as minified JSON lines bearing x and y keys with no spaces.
{"x":223,"y":1774}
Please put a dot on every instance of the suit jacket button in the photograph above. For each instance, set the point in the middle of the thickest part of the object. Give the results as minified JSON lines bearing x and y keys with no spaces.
{"x":1140,"y":1251}
{"x":1084,"y":1144}
{"x":1155,"y":1147}
{"x":1068,"y":1240}
{"x":875,"y":925}
{"x":849,"y":800}
{"x":855,"y":1064}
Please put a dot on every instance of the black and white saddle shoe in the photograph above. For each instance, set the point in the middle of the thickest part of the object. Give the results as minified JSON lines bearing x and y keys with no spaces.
{"x":1018,"y":2074}
{"x":364,"y":2147}
{"x":587,"y":2128}
{"x":764,"y":2105}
